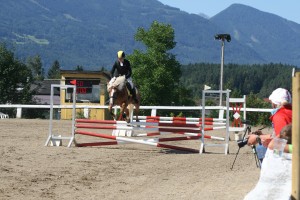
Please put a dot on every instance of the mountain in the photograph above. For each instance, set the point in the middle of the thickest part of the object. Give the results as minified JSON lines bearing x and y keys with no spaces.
{"x":274,"y":38}
{"x":89,"y":33}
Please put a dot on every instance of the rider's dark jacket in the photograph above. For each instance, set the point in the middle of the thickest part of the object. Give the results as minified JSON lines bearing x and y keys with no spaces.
{"x":118,"y":70}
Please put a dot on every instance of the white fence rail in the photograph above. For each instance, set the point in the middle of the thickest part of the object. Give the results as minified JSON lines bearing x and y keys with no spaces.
{"x":153,"y":109}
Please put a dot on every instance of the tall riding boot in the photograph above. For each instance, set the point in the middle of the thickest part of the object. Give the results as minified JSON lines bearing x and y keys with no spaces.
{"x":129,"y":87}
{"x":133,"y":92}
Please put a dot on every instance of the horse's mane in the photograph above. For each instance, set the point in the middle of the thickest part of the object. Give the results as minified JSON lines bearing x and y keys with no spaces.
{"x":119,"y":83}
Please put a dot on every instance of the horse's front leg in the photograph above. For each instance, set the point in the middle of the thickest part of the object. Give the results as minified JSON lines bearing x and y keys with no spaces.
{"x":112,"y":98}
{"x":122,"y":112}
{"x":110,"y":110}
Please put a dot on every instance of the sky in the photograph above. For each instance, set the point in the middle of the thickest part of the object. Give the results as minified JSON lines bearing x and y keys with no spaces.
{"x":288,"y":9}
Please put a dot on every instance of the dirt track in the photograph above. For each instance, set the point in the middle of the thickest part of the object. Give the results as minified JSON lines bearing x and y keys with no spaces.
{"x":29,"y":170}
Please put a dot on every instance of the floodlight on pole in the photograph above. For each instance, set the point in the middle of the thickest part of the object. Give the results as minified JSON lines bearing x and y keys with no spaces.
{"x":222,"y":38}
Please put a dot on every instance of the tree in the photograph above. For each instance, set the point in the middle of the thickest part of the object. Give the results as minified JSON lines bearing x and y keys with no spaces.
{"x":157,"y":72}
{"x":79,"y":68}
{"x":15,"y":79}
{"x":54,"y":71}
{"x":253,"y":101}
{"x":35,"y":64}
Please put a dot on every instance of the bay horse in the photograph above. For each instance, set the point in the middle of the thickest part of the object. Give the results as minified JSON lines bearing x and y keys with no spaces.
{"x":120,"y":95}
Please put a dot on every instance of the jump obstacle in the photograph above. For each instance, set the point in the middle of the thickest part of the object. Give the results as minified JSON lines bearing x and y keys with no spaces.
{"x":3,"y":116}
{"x":237,"y":126}
{"x":51,"y":136}
{"x":191,"y":132}
{"x":147,"y":127}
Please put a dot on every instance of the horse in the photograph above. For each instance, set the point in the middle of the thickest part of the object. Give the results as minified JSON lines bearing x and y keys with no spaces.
{"x":120,"y":95}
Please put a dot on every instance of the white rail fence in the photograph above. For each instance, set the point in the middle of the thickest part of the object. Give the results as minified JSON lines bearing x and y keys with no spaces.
{"x":153,"y":109}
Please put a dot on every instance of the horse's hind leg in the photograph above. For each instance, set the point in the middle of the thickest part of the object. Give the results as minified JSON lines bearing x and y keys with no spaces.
{"x":137,"y":111}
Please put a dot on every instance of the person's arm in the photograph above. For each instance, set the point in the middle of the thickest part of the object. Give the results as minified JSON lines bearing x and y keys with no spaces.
{"x":129,"y":71}
{"x":265,"y":139}
{"x":290,"y":148}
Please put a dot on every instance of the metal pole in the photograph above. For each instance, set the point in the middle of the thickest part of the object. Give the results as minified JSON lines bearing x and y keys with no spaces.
{"x":221,"y":73}
{"x":73,"y":117}
{"x":203,"y":123}
{"x":51,"y":116}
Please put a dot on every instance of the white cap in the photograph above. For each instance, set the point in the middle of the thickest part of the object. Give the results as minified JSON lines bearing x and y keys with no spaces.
{"x":280,"y":96}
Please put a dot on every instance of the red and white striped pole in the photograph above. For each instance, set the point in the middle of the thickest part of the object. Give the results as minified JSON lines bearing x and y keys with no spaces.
{"x":147,"y":142}
{"x":183,"y":133}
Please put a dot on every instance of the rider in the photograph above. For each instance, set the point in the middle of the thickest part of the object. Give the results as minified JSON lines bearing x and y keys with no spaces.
{"x":122,"y":67}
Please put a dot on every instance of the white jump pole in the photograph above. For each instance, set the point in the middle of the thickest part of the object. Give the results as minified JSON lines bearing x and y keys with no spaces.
{"x":226,"y":144}
{"x":51,"y":135}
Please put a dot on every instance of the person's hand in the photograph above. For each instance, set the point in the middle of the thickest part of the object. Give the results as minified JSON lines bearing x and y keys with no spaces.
{"x":265,"y":140}
{"x":252,"y":139}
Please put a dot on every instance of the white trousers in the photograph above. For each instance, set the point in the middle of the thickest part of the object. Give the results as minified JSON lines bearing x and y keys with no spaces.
{"x":129,"y":80}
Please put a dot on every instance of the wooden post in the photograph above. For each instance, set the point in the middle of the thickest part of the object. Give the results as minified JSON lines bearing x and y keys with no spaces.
{"x":296,"y":137}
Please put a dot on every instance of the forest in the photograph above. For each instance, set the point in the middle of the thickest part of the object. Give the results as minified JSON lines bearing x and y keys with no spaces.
{"x":242,"y":80}
{"x":255,"y":81}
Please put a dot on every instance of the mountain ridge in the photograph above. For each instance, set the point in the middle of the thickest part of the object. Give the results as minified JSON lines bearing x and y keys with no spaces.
{"x":89,"y":34}
{"x":264,"y":37}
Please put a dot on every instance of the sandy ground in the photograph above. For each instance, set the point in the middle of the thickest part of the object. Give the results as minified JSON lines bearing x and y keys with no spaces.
{"x":29,"y":170}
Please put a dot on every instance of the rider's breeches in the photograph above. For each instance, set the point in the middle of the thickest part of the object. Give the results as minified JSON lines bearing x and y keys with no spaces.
{"x":112,"y":80}
{"x":129,"y":80}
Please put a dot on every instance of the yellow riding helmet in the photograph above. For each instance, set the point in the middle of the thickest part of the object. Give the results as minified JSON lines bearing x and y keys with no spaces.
{"x":121,"y":54}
